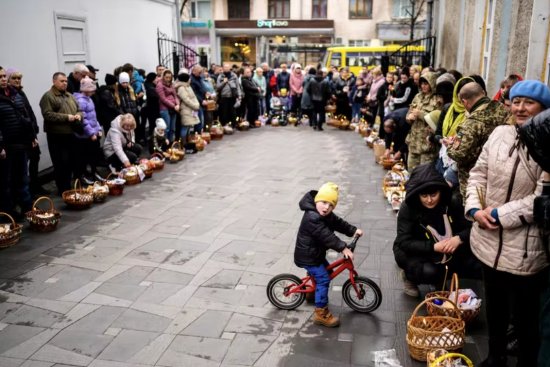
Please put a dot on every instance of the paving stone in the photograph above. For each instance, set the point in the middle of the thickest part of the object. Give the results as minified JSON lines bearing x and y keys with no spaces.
{"x":253,"y":325}
{"x":204,"y":348}
{"x":168,"y":276}
{"x":81,"y":342}
{"x":209,"y":324}
{"x":132,"y":276}
{"x":14,"y":335}
{"x":127,"y":344}
{"x":246,"y":349}
{"x":121,"y":291}
{"x":136,"y":320}
{"x":32,"y":316}
{"x":98,"y":321}
{"x":227,"y":279}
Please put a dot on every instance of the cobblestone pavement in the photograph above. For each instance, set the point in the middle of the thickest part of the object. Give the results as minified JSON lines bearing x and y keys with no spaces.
{"x":173,"y":273}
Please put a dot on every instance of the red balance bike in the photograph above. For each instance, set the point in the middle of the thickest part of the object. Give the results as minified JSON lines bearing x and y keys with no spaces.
{"x":287,"y":291}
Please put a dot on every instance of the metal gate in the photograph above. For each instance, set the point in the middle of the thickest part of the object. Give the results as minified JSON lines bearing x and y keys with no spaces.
{"x":175,"y":55}
{"x":412,"y":56}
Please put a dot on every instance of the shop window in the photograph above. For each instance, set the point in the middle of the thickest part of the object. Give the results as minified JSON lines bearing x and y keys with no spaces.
{"x":360,"y":9}
{"x":238,"y":9}
{"x":319,"y":9}
{"x":278,"y":9}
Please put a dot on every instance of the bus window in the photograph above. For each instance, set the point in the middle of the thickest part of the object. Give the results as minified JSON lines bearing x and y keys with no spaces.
{"x":336,"y":59}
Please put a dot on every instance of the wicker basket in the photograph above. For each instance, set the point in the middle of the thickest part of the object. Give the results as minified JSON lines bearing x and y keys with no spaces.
{"x":216,"y":130}
{"x":344,"y":123}
{"x":157,"y":161}
{"x":425,"y":333}
{"x":243,"y":126}
{"x":177,"y":150}
{"x":379,"y":147}
{"x":333,"y":121}
{"x":116,"y":185}
{"x":437,"y":310}
{"x":330,"y":108}
{"x":10,"y":233}
{"x":146,"y":168}
{"x":206,"y":137}
{"x":257,"y":123}
{"x":99,"y":192}
{"x":228,"y":130}
{"x":292,"y":119}
{"x":447,"y":359}
{"x":131,"y":175}
{"x":78,"y":198}
{"x":211,"y":105}
{"x":388,"y":163}
{"x":41,"y":220}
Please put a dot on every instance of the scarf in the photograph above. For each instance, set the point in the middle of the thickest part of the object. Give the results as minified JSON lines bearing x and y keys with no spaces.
{"x":456,"y":112}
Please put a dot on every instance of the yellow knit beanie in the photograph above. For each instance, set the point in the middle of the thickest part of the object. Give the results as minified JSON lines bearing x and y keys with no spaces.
{"x":329,"y":193}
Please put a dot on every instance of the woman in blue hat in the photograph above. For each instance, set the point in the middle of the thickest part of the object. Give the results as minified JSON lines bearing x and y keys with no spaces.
{"x":499,"y":199}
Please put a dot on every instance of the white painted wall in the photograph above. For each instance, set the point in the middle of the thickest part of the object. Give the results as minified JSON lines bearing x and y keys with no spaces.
{"x":119,"y":31}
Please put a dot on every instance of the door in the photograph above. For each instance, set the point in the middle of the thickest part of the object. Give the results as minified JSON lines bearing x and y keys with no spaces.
{"x":72,"y":41}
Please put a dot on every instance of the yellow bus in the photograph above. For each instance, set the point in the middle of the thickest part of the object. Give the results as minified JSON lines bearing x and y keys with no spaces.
{"x":356,"y":58}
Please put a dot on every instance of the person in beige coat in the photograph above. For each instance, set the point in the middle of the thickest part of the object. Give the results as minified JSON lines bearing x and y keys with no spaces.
{"x":189,"y":107}
{"x":499,"y":198}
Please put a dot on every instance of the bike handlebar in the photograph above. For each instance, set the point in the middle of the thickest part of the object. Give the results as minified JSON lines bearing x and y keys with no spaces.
{"x":353,"y":243}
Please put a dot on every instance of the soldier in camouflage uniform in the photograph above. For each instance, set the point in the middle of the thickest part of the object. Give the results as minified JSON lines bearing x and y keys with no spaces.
{"x":482,"y":117}
{"x":420,"y":149}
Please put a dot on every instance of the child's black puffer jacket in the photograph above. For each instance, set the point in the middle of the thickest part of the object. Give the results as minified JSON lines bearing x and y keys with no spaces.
{"x":316,"y":233}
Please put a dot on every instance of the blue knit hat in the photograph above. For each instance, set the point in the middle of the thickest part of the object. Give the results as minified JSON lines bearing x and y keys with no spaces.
{"x":533,"y":89}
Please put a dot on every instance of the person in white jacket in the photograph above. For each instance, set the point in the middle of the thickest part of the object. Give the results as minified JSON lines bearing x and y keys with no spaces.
{"x":499,"y":197}
{"x":119,"y":147}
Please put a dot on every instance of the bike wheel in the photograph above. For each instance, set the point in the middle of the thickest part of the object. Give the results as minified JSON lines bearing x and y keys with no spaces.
{"x":371,"y":295}
{"x":277,"y":287}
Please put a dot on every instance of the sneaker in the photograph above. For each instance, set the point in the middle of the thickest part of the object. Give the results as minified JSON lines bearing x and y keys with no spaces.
{"x":409,"y":288}
{"x":98,"y":177}
{"x":324,"y":317}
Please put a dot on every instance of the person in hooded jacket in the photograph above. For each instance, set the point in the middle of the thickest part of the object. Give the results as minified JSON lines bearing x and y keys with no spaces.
{"x":251,"y":96}
{"x":125,"y":97}
{"x":306,"y":104}
{"x":227,"y":90}
{"x":420,"y":149}
{"x":319,"y":91}
{"x":315,"y":237}
{"x":107,"y":108}
{"x":404,"y":92}
{"x":189,"y":106}
{"x":431,"y":233}
{"x":342,"y":86}
{"x":119,"y":146}
{"x":87,"y":142}
{"x":152,"y":103}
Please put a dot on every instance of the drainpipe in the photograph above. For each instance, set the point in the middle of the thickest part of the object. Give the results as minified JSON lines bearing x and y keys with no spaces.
{"x":178,"y":23}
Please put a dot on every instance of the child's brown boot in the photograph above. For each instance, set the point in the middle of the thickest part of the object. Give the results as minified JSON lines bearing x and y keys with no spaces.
{"x":324,"y":317}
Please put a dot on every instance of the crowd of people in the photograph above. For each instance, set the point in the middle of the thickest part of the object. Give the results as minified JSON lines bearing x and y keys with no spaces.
{"x":469,"y":203}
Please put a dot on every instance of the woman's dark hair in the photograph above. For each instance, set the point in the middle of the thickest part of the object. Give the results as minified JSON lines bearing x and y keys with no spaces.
{"x":506,"y":95}
{"x":457,"y":74}
{"x":141,"y":72}
{"x":462,"y":83}
{"x":429,"y":190}
{"x":167,"y":71}
{"x":479,"y":80}
{"x":151,"y":77}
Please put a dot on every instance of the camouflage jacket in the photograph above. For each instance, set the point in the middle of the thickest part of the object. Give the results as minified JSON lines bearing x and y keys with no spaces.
{"x":472,"y":135}
{"x":425,"y":103}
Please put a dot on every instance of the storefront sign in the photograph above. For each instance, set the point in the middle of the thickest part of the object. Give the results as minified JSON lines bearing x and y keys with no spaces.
{"x":271,"y":23}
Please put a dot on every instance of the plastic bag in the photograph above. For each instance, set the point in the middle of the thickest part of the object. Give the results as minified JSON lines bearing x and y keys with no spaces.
{"x":386,"y":358}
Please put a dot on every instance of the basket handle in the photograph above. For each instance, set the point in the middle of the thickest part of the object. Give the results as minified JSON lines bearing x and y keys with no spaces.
{"x":13,"y":224}
{"x":157,"y":154}
{"x":176,"y":145}
{"x":452,"y":355}
{"x":454,"y":287}
{"x":40,"y":199}
{"x":109,"y":176}
{"x":77,"y":183}
{"x":431,"y":300}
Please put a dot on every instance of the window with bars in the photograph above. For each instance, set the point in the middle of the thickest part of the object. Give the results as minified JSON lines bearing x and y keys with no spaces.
{"x":278,"y":9}
{"x":319,"y":9}
{"x":238,"y":9}
{"x":360,"y":9}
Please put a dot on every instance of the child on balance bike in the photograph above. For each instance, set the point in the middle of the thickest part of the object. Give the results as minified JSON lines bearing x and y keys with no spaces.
{"x":315,"y":237}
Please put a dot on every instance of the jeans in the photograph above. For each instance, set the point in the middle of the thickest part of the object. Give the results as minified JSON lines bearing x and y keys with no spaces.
{"x":356,"y":111}
{"x":170,"y":118}
{"x":14,"y":183}
{"x":322,"y":281}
